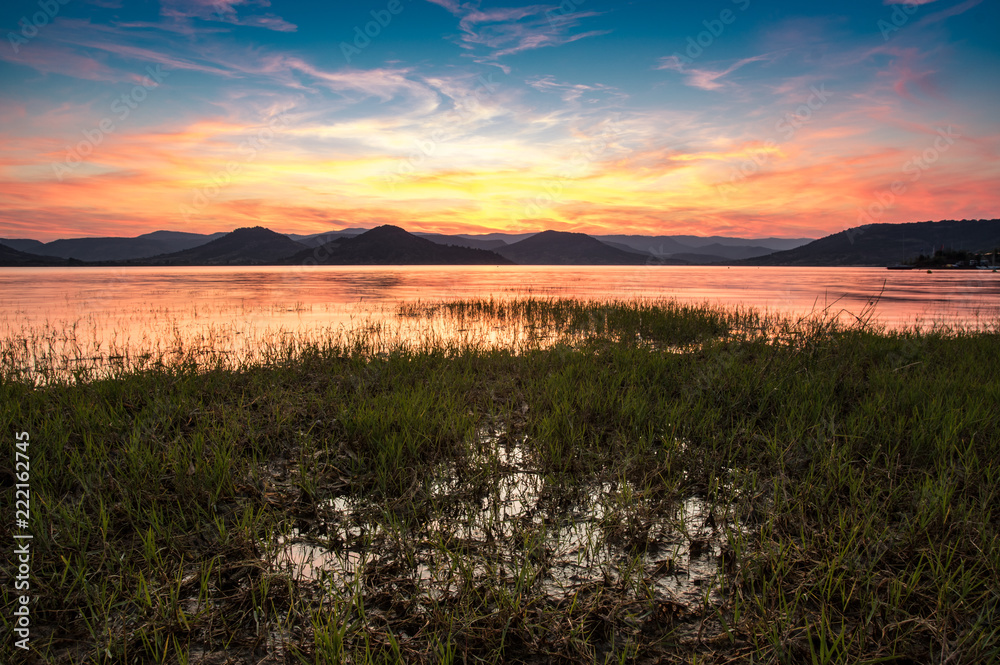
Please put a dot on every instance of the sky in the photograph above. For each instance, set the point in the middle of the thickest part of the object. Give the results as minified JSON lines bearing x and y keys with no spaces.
{"x":741,"y":118}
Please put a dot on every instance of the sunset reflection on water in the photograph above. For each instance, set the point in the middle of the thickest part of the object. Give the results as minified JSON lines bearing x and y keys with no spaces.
{"x":235,"y":310}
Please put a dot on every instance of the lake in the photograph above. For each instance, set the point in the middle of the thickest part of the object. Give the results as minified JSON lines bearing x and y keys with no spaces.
{"x":110,"y":310}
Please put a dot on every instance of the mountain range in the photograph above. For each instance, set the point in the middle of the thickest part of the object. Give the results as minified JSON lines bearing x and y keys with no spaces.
{"x":113,"y":249}
{"x":247,"y":246}
{"x":885,"y":244}
{"x":872,"y":245}
{"x":658,"y":249}
{"x":693,"y":249}
{"x":11,"y":257}
{"x":391,"y":245}
{"x":561,"y":248}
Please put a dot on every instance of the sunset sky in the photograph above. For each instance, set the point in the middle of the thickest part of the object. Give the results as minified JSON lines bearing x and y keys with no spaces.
{"x":731,"y":117}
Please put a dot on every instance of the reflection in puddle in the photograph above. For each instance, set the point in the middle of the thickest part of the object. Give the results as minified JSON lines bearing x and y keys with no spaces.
{"x":511,"y":532}
{"x":304,"y":560}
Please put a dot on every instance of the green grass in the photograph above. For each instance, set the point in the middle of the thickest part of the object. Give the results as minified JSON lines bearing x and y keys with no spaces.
{"x":627,"y":482}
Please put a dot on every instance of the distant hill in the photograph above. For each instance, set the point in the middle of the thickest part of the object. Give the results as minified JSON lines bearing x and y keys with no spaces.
{"x":246,"y":246}
{"x":651,"y":257}
{"x":655,"y":246}
{"x":10,"y":258}
{"x":663,"y":249}
{"x":694,"y":249}
{"x":658,"y":246}
{"x":391,"y":245}
{"x":871,"y":245}
{"x":771,"y":244}
{"x":462,"y":241}
{"x":731,"y":252}
{"x":178,"y":241}
{"x":114,"y":249}
{"x":664,"y":245}
{"x":706,"y":255}
{"x":507,"y":238}
{"x":696,"y":259}
{"x":320,"y":239}
{"x":562,"y":248}
{"x":885,"y":244}
{"x":22,"y":244}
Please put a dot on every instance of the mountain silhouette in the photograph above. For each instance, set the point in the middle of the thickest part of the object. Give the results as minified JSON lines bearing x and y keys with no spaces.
{"x":726,"y":247}
{"x":871,"y":245}
{"x":391,"y":245}
{"x":658,"y":249}
{"x":10,"y":257}
{"x":245,"y":246}
{"x":461,"y":241}
{"x":564,"y":248}
{"x":884,"y":244}
{"x":24,"y":245}
{"x":113,"y":248}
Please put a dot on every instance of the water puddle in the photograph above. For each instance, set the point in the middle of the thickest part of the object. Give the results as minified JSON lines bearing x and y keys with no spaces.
{"x":305,"y":559}
{"x":491,"y":518}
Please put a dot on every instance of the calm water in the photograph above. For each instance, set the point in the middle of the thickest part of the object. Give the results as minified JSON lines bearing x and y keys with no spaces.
{"x":136,"y":308}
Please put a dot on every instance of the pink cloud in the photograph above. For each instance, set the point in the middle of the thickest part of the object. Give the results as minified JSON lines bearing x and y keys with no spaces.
{"x":49,"y":58}
{"x":450,"y":5}
{"x":706,"y":79}
{"x":224,"y":11}
{"x":149,"y":55}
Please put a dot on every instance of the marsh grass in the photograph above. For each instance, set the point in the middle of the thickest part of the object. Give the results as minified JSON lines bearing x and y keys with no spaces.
{"x":529,"y":481}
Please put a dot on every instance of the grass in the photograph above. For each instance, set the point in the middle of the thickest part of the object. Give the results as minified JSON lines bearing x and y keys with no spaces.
{"x":606,"y":482}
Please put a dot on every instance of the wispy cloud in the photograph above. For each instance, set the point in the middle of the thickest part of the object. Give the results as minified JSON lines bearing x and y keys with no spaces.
{"x":490,"y":35}
{"x":224,"y":11}
{"x":49,"y":58}
{"x":573,"y":93}
{"x":706,"y":79}
{"x":76,"y":33}
{"x":452,"y":6}
{"x":908,"y":73}
{"x":382,"y":83}
{"x":958,"y":9}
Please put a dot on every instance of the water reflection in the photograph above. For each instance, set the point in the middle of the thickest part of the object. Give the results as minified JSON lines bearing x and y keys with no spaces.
{"x":905,"y":296}
{"x":496,"y":523}
{"x":107,"y":311}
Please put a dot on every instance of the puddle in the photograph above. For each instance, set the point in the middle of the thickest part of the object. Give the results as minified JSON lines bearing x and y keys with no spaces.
{"x":694,"y":562}
{"x":512,"y":530}
{"x":305,"y":560}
